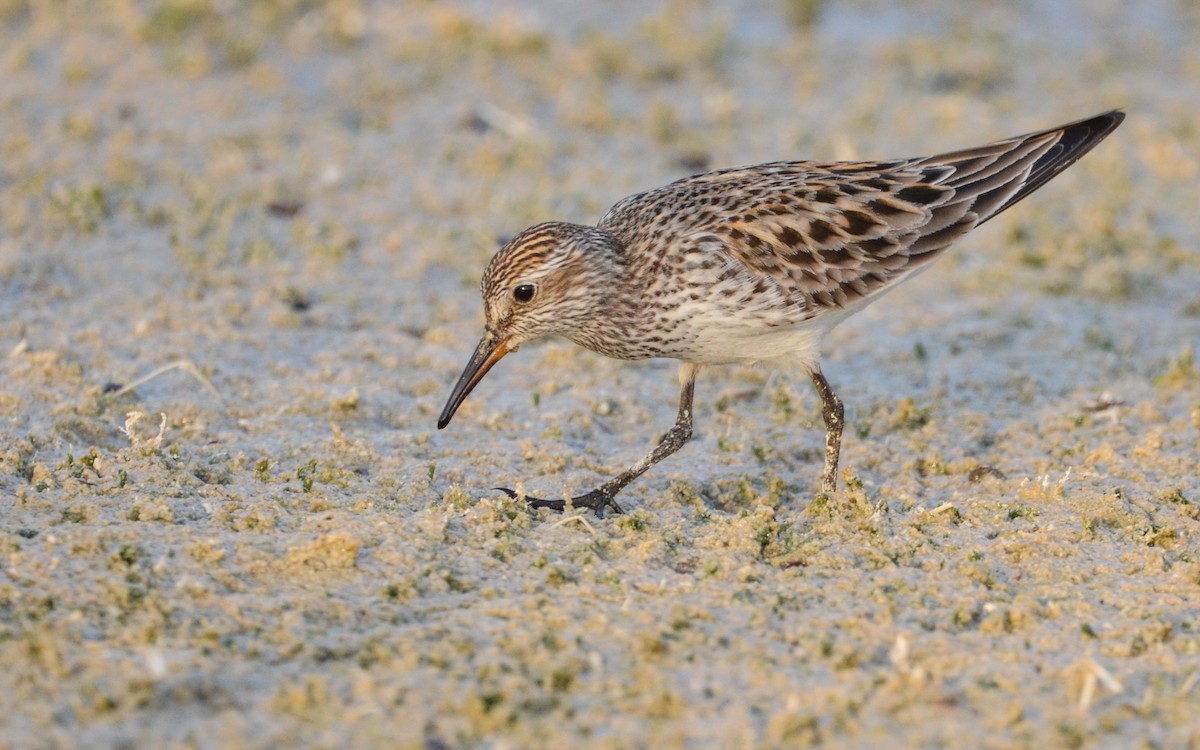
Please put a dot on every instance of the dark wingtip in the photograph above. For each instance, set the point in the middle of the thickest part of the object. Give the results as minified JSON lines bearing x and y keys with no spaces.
{"x":506,"y":491}
{"x":1074,"y":140}
{"x":1084,"y":134}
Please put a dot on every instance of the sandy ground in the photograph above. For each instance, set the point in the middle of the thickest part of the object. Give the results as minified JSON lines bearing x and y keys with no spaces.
{"x":260,"y":229}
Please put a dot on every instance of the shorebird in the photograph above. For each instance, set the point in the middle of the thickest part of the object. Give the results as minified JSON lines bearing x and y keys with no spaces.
{"x":750,"y":264}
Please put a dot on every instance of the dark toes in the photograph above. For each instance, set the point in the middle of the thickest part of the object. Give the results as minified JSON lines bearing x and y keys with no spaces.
{"x":555,"y":505}
{"x":534,"y":502}
{"x":594,"y":501}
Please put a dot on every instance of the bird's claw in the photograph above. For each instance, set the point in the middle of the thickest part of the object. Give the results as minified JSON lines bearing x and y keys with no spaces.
{"x":596,"y":501}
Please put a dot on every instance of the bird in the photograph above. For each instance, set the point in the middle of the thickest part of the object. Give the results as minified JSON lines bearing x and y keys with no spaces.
{"x":749,"y":264}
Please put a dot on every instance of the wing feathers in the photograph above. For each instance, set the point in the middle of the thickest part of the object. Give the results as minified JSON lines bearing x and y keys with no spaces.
{"x":835,"y":233}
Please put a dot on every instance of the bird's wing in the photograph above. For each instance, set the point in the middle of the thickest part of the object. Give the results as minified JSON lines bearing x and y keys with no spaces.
{"x":837,"y":233}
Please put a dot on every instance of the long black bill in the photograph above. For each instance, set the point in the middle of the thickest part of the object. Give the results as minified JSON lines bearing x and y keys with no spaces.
{"x":491,"y":350}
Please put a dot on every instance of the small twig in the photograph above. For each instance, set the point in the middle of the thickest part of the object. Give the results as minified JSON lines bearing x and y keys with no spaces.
{"x":491,"y":117}
{"x":1093,"y":676}
{"x":1189,"y":683}
{"x":182,"y":364}
{"x":575,"y":517}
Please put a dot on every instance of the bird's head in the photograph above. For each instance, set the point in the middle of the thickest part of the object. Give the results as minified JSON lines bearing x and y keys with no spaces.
{"x":548,"y":280}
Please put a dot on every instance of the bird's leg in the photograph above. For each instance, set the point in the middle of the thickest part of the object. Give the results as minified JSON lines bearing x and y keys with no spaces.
{"x":602,"y":498}
{"x":833,"y":413}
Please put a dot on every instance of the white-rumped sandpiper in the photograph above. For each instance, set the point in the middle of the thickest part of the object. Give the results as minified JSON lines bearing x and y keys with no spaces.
{"x":750,"y":264}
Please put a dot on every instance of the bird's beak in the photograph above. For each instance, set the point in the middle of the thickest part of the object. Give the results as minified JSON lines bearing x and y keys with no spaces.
{"x":491,"y":350}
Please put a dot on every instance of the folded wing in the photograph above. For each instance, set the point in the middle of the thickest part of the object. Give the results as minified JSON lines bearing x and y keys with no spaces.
{"x":836,"y":233}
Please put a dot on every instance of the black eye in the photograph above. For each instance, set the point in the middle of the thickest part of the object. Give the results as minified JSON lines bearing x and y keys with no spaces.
{"x":524,"y":292}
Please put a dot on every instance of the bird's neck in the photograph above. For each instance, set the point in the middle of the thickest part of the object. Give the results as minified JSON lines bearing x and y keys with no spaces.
{"x":616,"y":299}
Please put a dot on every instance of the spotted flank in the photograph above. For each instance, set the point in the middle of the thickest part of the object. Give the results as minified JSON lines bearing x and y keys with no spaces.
{"x":751,"y":264}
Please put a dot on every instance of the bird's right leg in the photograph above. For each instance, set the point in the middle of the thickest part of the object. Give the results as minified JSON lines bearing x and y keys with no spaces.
{"x":833,"y":414}
{"x":602,"y":498}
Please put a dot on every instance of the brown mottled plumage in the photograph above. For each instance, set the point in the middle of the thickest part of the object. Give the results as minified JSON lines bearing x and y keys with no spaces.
{"x":751,"y":263}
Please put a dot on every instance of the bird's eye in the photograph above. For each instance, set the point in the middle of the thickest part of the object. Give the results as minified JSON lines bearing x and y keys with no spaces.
{"x":524,"y":292}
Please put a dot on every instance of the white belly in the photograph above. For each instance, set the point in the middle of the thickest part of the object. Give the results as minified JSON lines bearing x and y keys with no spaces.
{"x":727,"y":341}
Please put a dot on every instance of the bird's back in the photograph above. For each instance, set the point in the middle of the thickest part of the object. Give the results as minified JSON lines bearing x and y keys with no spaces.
{"x":800,"y":240}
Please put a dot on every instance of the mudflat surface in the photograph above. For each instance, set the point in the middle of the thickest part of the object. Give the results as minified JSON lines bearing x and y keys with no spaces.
{"x":238,"y":256}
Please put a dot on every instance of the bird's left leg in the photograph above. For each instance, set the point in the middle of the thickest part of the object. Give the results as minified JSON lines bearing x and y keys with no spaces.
{"x":834,"y":416}
{"x":602,"y":497}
